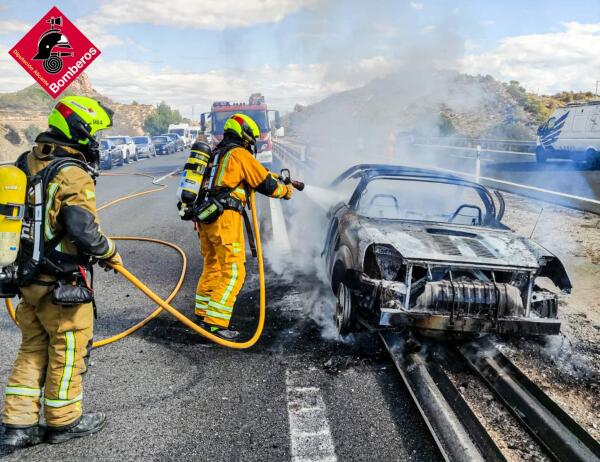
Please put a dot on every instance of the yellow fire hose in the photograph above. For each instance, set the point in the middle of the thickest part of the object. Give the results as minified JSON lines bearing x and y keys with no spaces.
{"x":164,"y":304}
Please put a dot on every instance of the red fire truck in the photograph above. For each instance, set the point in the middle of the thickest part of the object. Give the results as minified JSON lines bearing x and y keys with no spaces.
{"x":255,"y":108}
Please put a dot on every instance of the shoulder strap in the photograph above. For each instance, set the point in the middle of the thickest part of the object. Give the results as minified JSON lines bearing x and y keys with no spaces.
{"x":21,"y":163}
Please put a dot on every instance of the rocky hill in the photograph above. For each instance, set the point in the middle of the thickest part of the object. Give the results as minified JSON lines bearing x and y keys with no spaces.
{"x":23,"y":114}
{"x":425,"y":103}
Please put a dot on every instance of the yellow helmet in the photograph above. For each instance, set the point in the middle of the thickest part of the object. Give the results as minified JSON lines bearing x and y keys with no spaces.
{"x":78,"y":118}
{"x":242,"y":126}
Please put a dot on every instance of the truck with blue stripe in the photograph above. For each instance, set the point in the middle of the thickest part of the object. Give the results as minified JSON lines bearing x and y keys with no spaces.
{"x":573,"y":133}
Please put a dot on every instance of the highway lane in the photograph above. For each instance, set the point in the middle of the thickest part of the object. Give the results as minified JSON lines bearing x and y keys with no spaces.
{"x":171,"y":395}
{"x":556,"y":175}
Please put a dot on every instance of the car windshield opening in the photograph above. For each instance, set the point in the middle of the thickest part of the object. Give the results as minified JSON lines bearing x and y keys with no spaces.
{"x":179,"y":131}
{"x":140,"y":140}
{"x":417,"y":200}
{"x":118,"y":140}
{"x":219,"y":119}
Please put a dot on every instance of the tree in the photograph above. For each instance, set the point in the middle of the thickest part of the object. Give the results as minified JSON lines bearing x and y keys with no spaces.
{"x":158,"y":122}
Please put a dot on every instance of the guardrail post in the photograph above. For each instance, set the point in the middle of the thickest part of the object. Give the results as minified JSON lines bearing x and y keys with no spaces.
{"x":478,"y":164}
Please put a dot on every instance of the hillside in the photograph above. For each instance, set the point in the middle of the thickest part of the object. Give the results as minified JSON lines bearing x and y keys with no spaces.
{"x":427,"y":103}
{"x":24,"y":113}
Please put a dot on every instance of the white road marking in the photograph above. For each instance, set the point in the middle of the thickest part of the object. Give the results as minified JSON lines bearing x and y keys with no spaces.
{"x":158,"y":180}
{"x":309,"y":429}
{"x":280,"y":234}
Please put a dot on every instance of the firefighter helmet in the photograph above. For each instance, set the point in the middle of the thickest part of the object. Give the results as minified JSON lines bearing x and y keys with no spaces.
{"x":79,"y":118}
{"x":242,"y":126}
{"x":50,"y":40}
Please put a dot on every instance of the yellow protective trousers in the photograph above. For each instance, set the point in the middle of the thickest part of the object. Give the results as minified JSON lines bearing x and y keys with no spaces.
{"x":55,"y":345}
{"x":224,"y":252}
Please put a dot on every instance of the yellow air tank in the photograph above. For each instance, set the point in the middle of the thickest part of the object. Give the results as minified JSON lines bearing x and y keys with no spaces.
{"x":13,"y":187}
{"x":193,"y":172}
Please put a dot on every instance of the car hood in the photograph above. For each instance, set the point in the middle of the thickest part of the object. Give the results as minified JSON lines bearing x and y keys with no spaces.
{"x":437,"y":242}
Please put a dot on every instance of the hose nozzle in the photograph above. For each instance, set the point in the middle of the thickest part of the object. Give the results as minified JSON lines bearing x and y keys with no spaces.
{"x":286,"y":177}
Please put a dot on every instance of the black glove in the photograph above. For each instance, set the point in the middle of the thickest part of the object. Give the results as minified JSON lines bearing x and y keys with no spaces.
{"x":186,"y":212}
{"x":114,"y":260}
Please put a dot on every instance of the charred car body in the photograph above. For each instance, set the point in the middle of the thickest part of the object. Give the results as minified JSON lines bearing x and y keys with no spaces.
{"x":420,"y":249}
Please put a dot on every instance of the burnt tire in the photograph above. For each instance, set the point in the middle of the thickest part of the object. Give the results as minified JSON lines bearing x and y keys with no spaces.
{"x":345,"y":311}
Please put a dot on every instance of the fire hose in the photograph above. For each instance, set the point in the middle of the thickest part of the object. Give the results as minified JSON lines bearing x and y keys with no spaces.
{"x":165,"y":304}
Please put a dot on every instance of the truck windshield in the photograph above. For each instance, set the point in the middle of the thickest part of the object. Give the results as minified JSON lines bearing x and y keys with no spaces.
{"x":219,"y":119}
{"x":179,"y":131}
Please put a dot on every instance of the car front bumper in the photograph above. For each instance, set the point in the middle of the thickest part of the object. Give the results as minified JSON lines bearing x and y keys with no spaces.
{"x":442,"y":323}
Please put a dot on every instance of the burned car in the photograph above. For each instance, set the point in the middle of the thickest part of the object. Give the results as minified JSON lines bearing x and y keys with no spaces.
{"x":424,"y":250}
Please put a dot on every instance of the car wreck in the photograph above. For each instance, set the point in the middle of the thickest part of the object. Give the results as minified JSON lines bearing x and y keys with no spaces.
{"x":425,"y":250}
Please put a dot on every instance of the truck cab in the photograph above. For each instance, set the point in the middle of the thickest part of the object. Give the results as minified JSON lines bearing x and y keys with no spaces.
{"x":572,"y":132}
{"x":256,"y":108}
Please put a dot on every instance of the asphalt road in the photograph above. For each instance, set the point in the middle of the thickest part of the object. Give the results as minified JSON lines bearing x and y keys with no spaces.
{"x":298,"y":394}
{"x":556,"y":175}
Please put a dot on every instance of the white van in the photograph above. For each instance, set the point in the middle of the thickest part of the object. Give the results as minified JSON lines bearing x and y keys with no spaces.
{"x":573,"y":132}
{"x":182,"y":130}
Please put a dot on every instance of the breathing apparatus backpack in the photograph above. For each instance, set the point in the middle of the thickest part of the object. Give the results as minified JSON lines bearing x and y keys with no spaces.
{"x":30,"y":255}
{"x":199,"y":199}
{"x":13,"y":187}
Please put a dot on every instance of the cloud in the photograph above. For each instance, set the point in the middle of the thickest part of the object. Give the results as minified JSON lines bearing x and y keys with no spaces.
{"x":98,"y":34}
{"x":551,"y":62}
{"x":198,"y":14}
{"x":13,"y":26}
{"x":487,"y":22}
{"x":284,"y":86}
{"x":428,"y":29}
{"x":12,"y":76}
{"x":416,"y":5}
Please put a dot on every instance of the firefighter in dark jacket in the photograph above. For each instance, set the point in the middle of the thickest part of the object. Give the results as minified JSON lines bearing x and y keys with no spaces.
{"x":56,"y":339}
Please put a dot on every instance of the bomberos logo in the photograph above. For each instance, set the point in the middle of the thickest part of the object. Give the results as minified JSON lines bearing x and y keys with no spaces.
{"x":54,"y":52}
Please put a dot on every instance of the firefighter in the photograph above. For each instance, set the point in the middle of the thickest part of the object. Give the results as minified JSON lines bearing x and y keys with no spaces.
{"x":55,"y":314}
{"x":222,"y":241}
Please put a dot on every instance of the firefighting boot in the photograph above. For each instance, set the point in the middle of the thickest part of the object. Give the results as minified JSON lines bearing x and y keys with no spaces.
{"x":225,"y":334}
{"x":88,"y":424}
{"x":21,"y":437}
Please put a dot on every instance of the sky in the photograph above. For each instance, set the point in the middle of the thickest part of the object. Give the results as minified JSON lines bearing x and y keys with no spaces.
{"x":190,"y":53}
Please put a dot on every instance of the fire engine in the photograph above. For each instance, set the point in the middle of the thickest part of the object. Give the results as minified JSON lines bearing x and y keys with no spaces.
{"x":255,"y":108}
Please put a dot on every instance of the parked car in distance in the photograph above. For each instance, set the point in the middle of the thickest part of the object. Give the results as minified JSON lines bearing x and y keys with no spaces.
{"x":163,"y":145}
{"x":127,"y":146}
{"x":144,"y":146}
{"x":110,"y":155}
{"x":178,"y":140}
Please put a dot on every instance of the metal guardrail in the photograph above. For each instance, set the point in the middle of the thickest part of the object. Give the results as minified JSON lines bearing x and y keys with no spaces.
{"x":483,"y":143}
{"x":6,"y":162}
{"x":290,"y":157}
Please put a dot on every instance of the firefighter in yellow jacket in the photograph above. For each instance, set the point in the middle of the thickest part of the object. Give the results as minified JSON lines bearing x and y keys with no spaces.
{"x":235,"y":169}
{"x":57,"y":337}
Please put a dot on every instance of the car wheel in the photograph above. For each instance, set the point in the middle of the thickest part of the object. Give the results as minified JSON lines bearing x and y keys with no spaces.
{"x":120,"y":161}
{"x":136,"y":157}
{"x":540,"y":155}
{"x":345,"y":311}
{"x":107,"y":165}
{"x":127,"y":160}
